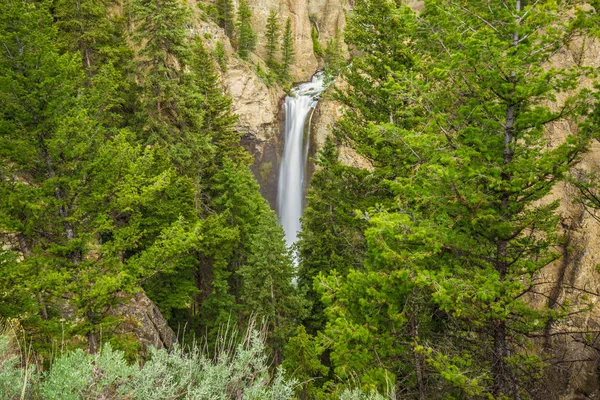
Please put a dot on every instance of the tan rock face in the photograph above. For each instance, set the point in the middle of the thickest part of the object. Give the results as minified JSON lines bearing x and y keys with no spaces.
{"x":142,"y":318}
{"x":297,"y":10}
{"x":325,"y":15}
{"x":257,"y":105}
{"x":575,"y":278}
{"x":253,"y":101}
{"x":328,"y":112}
{"x":328,"y":16}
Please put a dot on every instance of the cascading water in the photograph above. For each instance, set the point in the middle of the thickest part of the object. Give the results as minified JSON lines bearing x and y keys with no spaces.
{"x":290,"y":193}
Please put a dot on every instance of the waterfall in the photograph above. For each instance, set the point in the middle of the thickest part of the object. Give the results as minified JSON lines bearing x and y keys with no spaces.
{"x":299,"y":106}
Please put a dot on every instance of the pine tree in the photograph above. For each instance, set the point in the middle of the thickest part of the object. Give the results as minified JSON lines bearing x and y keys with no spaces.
{"x":68,"y":186}
{"x":219,"y":54}
{"x":252,"y":269}
{"x":287,"y":52}
{"x":225,"y":13}
{"x":170,"y":112}
{"x":332,"y":235}
{"x":246,"y":38}
{"x":302,"y":362}
{"x":272,"y":34}
{"x":317,"y":48}
{"x":218,"y":119}
{"x":470,"y":233}
{"x":48,"y":139}
{"x":497,"y":169}
{"x":89,"y":27}
{"x":334,"y":56}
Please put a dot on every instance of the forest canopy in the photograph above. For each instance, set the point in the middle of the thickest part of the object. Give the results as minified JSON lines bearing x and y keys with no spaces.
{"x":424,"y":276}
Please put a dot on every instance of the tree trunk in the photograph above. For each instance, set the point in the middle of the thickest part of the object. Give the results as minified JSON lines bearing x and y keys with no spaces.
{"x":92,"y":342}
{"x":414,"y":328}
{"x":499,"y":368}
{"x":502,"y":382}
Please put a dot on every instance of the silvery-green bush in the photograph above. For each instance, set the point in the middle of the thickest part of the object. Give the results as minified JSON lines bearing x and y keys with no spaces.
{"x":12,"y":377}
{"x":357,"y":394}
{"x":236,"y":372}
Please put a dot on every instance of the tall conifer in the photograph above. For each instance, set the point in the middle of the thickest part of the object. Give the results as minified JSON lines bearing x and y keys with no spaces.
{"x":457,"y":128}
{"x":246,"y":38}
{"x":272,"y":34}
{"x":225,"y":16}
{"x":287,"y":52}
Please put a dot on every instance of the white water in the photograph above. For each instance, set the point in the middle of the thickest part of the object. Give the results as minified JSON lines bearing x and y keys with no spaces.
{"x":290,"y":192}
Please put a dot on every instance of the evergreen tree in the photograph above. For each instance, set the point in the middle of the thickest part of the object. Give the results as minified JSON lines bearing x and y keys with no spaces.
{"x":170,"y":110}
{"x":219,"y":54}
{"x":469,"y":235}
{"x":287,"y":52}
{"x":225,"y":13}
{"x":218,"y":119}
{"x":252,"y":268}
{"x":246,"y":38}
{"x":334,"y":56}
{"x":209,"y":261}
{"x":89,"y":27}
{"x":332,"y":234}
{"x":47,"y":140}
{"x":272,"y":34}
{"x":317,"y":48}
{"x":302,"y":362}
{"x":98,"y":34}
{"x":68,"y":189}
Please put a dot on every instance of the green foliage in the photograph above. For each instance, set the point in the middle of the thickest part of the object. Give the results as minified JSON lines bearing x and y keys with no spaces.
{"x":121,"y":170}
{"x":454,"y":128}
{"x":268,"y":77}
{"x":225,"y":16}
{"x":272,"y":34}
{"x":170,"y":113}
{"x":332,"y":234}
{"x":234,"y":372}
{"x":317,"y":48}
{"x":287,"y":53}
{"x":70,"y":376}
{"x":14,"y":381}
{"x":218,"y":120}
{"x":357,"y":394}
{"x":219,"y":54}
{"x":90,"y":28}
{"x":252,"y":267}
{"x":302,"y":362}
{"x":104,"y":193}
{"x":333,"y":56}
{"x":245,"y":35}
{"x":239,"y":369}
{"x":585,"y":181}
{"x":56,"y":201}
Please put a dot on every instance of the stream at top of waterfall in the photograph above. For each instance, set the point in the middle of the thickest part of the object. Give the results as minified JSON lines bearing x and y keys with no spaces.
{"x":298,"y":107}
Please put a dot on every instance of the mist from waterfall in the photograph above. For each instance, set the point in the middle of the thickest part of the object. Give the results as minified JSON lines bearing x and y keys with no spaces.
{"x":298,"y":108}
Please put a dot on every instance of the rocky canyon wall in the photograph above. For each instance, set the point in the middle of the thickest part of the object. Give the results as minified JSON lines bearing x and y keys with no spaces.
{"x":258,"y":104}
{"x":575,"y":278}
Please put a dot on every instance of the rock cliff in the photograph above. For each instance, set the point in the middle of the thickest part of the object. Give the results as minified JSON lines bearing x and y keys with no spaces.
{"x":142,"y":318}
{"x":258,"y":105}
{"x":575,"y":278}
